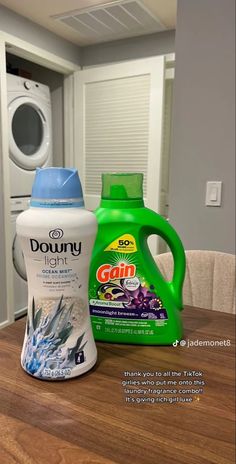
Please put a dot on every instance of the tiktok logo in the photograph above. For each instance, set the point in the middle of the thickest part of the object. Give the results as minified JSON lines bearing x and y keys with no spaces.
{"x":175,"y":343}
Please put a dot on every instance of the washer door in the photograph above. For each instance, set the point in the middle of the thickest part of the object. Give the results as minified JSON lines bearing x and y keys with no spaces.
{"x":29,"y":133}
{"x":18,"y":258}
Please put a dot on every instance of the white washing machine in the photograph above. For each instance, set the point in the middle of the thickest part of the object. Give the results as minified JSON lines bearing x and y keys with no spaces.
{"x":19,"y":272}
{"x":30,"y":132}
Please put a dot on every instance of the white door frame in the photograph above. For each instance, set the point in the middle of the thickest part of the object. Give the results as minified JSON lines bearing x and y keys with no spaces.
{"x":48,"y":60}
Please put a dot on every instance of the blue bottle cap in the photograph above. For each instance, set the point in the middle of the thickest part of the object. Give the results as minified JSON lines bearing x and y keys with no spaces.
{"x":57,"y":187}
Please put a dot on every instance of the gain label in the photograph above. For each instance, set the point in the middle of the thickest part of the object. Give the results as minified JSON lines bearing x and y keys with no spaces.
{"x":121,"y":290}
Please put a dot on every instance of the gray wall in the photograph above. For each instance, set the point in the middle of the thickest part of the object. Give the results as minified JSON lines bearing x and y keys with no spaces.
{"x":129,"y":49}
{"x":17,"y":25}
{"x":203,"y":124}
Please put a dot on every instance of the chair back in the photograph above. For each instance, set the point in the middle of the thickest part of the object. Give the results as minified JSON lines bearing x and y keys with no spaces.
{"x":209,"y":281}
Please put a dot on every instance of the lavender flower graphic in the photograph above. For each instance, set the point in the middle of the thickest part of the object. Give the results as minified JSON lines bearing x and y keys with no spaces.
{"x":142,"y":298}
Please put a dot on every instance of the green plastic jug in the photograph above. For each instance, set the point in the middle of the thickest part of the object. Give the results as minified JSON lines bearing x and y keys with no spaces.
{"x":130,"y":301}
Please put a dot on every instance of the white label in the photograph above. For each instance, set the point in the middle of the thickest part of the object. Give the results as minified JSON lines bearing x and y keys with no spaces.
{"x":58,"y":341}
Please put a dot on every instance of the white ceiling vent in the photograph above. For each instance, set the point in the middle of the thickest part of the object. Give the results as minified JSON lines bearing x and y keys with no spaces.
{"x":111,"y":21}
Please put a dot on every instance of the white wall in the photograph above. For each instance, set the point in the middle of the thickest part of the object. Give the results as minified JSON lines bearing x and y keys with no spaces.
{"x":204,"y":123}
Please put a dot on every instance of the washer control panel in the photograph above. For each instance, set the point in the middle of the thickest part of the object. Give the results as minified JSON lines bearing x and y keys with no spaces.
{"x":20,"y":204}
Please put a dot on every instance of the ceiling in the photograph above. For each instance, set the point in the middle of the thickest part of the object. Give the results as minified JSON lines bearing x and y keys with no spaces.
{"x":88,"y":27}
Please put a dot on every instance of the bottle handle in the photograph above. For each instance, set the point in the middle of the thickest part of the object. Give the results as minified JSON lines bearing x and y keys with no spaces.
{"x":167,"y":232}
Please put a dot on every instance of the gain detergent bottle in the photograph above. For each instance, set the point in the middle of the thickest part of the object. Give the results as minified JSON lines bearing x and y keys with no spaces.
{"x":130,"y":301}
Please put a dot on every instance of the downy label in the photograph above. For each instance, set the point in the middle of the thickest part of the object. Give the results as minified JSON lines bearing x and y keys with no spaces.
{"x":58,"y":341}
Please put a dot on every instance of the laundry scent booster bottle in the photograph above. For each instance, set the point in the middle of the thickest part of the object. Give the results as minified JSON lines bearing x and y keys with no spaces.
{"x":130,"y":301}
{"x":57,"y":235}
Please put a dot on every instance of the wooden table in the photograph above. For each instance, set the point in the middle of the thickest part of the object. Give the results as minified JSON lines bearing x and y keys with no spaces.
{"x":88,"y":420}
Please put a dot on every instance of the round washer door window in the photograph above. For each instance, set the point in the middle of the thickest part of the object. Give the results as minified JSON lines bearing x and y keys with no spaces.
{"x":29,"y":133}
{"x":27,"y":129}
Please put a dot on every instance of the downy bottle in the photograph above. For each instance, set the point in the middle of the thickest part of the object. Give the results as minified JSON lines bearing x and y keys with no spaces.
{"x":130,"y":301}
{"x":57,"y":235}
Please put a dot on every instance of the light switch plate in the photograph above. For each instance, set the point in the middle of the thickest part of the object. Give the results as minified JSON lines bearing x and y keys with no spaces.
{"x":213,"y":193}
